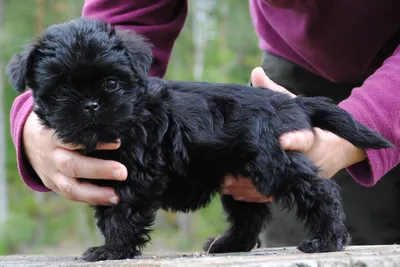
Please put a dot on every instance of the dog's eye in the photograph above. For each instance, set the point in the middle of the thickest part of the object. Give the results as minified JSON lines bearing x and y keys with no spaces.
{"x":111,"y":84}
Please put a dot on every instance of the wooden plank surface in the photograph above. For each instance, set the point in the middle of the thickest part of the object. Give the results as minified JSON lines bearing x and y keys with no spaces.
{"x":357,"y":256}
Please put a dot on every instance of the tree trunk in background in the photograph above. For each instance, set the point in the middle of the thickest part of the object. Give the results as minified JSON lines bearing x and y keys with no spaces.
{"x":3,"y":170}
{"x":199,"y":40}
{"x":223,"y":35}
{"x":202,"y":31}
{"x":223,"y":28}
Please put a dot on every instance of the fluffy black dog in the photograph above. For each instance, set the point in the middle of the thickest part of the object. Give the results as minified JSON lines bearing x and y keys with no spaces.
{"x":179,"y":139}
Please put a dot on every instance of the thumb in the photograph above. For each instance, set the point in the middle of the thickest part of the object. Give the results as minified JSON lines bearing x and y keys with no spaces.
{"x":301,"y":140}
{"x":260,"y":79}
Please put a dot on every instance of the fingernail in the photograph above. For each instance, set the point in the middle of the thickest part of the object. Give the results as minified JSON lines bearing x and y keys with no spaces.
{"x":113,"y":200}
{"x":117,"y":174}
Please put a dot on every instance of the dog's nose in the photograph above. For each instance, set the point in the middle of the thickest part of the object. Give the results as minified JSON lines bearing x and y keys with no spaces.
{"x":91,"y":106}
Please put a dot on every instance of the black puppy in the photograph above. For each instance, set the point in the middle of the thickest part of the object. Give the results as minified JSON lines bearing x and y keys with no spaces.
{"x":179,"y":139}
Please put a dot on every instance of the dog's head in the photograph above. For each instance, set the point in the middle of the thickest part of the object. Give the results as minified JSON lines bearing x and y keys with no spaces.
{"x":86,"y":77}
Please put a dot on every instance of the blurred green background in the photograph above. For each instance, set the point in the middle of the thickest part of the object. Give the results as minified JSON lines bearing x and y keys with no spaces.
{"x":218,"y":43}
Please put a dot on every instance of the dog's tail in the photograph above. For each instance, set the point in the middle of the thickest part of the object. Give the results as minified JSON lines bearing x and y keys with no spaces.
{"x":328,"y":116}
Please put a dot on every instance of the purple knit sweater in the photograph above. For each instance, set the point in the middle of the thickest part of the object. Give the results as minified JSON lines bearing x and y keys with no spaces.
{"x":341,"y":40}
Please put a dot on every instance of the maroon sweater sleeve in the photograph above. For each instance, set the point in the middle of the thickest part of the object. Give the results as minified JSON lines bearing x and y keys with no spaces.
{"x":376,"y":104}
{"x":160,"y":21}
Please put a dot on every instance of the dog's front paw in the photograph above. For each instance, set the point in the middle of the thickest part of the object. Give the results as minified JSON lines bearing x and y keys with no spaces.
{"x":110,"y":252}
{"x":226,"y":244}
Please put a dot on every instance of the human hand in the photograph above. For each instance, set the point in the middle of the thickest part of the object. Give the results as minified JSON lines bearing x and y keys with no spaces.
{"x":58,"y":166}
{"x":326,"y":150}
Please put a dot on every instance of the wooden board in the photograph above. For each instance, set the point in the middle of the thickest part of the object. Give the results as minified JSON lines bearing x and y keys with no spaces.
{"x":357,"y":256}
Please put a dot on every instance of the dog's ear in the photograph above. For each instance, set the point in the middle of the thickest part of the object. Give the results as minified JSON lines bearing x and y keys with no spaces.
{"x":138,"y":50}
{"x":18,"y":69}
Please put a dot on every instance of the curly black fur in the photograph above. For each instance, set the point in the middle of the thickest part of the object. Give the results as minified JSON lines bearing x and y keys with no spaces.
{"x":179,"y":139}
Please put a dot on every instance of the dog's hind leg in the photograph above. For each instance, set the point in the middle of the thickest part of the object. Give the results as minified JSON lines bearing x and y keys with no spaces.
{"x":246,"y":219}
{"x":321,"y":209}
{"x":318,"y":205}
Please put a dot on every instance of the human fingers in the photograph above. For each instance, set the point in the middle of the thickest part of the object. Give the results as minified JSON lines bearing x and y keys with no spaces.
{"x":243,"y":189}
{"x":301,"y":140}
{"x":73,"y":164}
{"x":79,"y":191}
{"x":260,"y":79}
{"x":101,"y":146}
{"x":48,"y":182}
{"x":255,"y":200}
{"x":242,"y":192}
{"x":230,"y":181}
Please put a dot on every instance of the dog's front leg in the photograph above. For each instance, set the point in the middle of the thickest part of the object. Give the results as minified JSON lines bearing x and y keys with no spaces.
{"x":125,"y":227}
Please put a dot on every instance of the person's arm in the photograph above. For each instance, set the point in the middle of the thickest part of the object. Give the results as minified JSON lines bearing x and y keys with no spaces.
{"x":377,"y":104}
{"x":159,"y":21}
{"x":20,"y":110}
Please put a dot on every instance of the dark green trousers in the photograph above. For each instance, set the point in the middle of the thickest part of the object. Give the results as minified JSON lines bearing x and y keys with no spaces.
{"x":373,"y":214}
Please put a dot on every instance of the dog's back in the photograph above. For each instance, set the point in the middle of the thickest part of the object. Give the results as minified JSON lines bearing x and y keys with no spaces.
{"x":226,"y":109}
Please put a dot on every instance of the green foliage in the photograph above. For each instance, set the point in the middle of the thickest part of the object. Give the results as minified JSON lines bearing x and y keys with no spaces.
{"x":39,"y":220}
{"x":17,"y":230}
{"x":208,"y":222}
